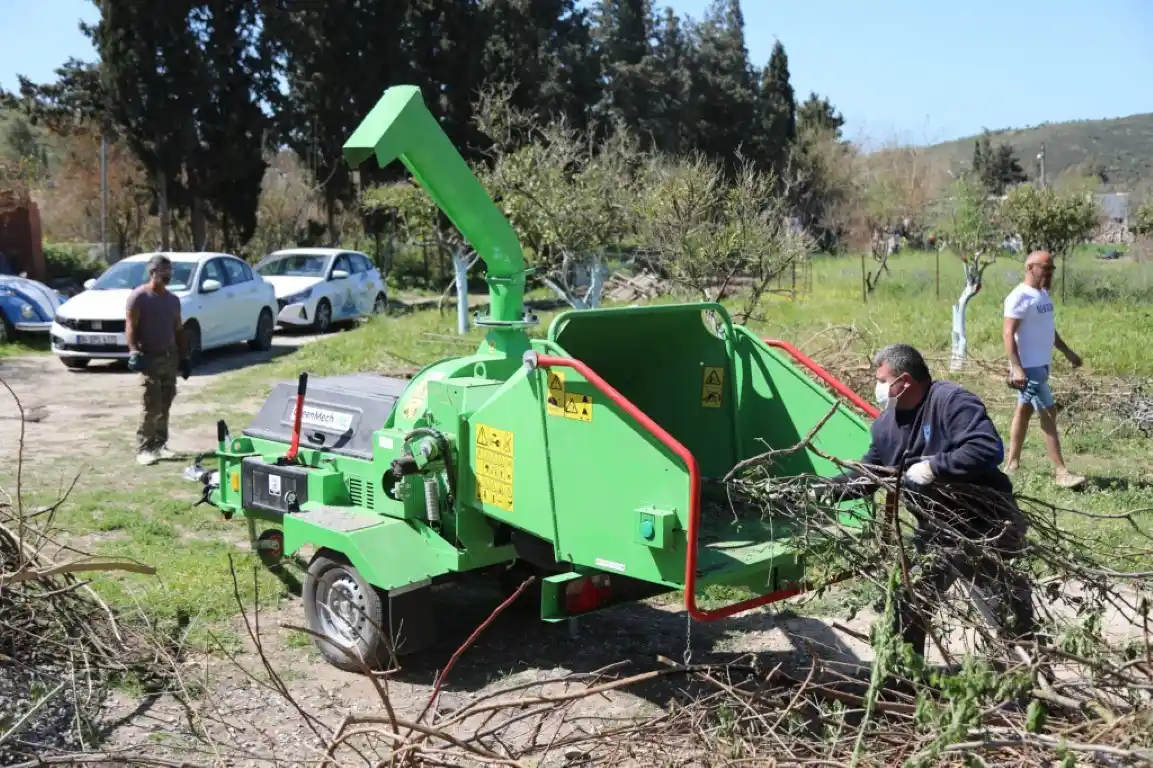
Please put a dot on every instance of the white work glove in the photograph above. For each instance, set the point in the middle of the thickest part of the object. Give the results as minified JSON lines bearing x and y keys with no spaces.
{"x":920,"y":474}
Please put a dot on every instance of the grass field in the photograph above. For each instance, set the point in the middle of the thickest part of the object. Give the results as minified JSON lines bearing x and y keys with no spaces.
{"x":1107,"y":317}
{"x":25,"y":344}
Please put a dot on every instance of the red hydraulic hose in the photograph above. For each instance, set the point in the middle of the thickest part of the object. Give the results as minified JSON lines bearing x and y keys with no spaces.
{"x":834,"y":383}
{"x":294,"y":448}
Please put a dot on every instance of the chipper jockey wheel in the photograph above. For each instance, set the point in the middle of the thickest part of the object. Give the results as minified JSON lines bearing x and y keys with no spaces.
{"x":352,"y":614}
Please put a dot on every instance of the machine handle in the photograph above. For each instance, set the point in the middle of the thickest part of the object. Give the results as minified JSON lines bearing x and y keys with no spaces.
{"x":294,"y":447}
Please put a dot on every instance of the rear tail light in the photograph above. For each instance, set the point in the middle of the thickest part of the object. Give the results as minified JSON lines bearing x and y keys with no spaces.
{"x":589,"y":593}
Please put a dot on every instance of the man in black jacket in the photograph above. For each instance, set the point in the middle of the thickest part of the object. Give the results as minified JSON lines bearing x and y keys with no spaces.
{"x":940,"y":437}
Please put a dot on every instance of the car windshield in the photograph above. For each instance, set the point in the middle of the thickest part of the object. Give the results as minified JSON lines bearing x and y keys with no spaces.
{"x":294,"y":265}
{"x":132,"y":274}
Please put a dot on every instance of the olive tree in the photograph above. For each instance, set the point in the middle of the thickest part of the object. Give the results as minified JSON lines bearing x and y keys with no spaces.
{"x":710,"y":234}
{"x":1049,"y":220}
{"x":973,"y":230}
{"x":1143,"y":219}
{"x":1142,"y":227}
{"x":570,"y":198}
{"x":895,"y":190}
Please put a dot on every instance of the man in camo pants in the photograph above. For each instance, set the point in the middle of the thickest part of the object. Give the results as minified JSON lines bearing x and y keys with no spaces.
{"x":158,"y":351}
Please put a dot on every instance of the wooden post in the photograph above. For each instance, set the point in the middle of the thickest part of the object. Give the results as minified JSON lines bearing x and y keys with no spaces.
{"x":938,"y":250}
{"x":864,"y":281}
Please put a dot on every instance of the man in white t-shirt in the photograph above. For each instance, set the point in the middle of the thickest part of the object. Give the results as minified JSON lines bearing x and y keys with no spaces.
{"x":1030,"y":334}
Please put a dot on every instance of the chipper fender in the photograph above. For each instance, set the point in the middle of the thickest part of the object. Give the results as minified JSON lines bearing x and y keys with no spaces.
{"x":367,"y":586}
{"x":390,"y":553}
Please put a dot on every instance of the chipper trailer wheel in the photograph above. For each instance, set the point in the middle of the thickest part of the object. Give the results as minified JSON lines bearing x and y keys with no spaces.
{"x":351,"y":613}
{"x":340,"y":605}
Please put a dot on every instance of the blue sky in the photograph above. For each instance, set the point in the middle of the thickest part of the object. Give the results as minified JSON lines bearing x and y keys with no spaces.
{"x":910,"y":70}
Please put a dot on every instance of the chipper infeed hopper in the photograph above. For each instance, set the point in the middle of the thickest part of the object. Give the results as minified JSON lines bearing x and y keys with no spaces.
{"x":580,"y":456}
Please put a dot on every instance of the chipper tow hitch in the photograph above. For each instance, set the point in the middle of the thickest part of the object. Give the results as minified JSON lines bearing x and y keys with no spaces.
{"x":209,"y":479}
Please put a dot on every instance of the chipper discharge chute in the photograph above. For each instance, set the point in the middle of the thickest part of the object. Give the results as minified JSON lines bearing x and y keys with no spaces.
{"x":580,"y":456}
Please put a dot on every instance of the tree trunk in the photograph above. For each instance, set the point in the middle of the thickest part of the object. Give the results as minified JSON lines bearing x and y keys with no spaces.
{"x":960,"y":341}
{"x":596,"y":288}
{"x":561,"y":285}
{"x":330,"y":212}
{"x":163,"y":211}
{"x":197,"y":223}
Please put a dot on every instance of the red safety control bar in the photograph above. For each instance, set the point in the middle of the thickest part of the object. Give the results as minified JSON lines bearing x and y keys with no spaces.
{"x":685,"y":455}
{"x":834,"y":383}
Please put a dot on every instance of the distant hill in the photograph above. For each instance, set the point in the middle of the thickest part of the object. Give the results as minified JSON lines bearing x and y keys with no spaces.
{"x":1121,"y":149}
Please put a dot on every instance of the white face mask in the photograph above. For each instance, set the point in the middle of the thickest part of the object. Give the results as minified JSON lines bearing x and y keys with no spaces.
{"x":884,"y":402}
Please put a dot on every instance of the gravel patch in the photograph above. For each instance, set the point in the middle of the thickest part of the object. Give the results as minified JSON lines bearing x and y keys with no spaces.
{"x":54,"y":724}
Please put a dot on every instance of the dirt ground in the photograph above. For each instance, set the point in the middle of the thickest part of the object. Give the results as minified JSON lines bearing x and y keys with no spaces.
{"x":250,"y":722}
{"x":81,"y":414}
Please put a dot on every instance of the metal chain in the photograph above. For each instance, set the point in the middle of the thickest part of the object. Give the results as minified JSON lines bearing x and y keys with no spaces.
{"x":688,"y":657}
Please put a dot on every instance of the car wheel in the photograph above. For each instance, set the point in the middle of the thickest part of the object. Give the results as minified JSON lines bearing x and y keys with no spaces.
{"x":75,"y":363}
{"x":380,"y":305}
{"x":347,"y":612}
{"x":323,"y":320}
{"x":192,"y":338}
{"x":7,"y":332}
{"x":264,"y":328}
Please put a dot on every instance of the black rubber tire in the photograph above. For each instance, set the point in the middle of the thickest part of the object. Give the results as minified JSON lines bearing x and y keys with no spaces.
{"x":322,"y":323}
{"x":7,"y":331}
{"x":75,"y":363}
{"x":265,"y":327}
{"x":192,"y":337}
{"x":326,"y":571}
{"x":380,"y":304}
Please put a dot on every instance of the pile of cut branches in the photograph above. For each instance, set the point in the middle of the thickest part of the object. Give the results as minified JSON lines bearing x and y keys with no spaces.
{"x":951,"y":555}
{"x":58,"y":639}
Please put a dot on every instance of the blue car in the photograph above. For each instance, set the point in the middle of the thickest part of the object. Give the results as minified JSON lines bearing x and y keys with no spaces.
{"x":26,"y":306}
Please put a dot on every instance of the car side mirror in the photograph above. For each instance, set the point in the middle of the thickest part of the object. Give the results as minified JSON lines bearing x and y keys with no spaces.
{"x":339,"y":274}
{"x":210,"y":286}
{"x":89,"y":283}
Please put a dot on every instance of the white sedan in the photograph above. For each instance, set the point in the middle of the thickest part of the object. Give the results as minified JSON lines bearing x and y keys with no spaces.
{"x":316,"y":287}
{"x":222,"y":302}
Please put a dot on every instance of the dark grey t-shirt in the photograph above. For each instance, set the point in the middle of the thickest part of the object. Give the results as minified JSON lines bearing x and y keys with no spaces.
{"x":156,"y":325}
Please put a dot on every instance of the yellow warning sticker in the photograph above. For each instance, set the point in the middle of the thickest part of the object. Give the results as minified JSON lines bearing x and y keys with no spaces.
{"x":416,"y":401}
{"x":494,"y":465}
{"x":498,"y":440}
{"x":494,"y":459}
{"x":555,"y":406}
{"x":579,"y":407}
{"x":713,"y":387}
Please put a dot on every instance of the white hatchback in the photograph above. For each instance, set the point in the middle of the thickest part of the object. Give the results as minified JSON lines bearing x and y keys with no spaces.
{"x":316,"y":287}
{"x":222,"y":301}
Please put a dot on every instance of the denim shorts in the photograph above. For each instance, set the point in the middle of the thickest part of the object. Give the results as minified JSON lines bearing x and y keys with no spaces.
{"x":1037,"y":391}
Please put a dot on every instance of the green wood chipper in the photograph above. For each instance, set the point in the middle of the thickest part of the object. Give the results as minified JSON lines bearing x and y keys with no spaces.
{"x":580,"y":457}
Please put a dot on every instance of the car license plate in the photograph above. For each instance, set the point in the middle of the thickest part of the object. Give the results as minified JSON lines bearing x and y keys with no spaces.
{"x":96,"y":340}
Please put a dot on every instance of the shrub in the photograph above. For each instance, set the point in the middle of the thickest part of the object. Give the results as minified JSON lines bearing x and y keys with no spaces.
{"x":70,"y":262}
